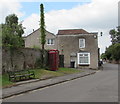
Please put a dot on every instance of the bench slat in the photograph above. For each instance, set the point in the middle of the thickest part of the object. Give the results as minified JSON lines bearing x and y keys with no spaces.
{"x":23,"y":74}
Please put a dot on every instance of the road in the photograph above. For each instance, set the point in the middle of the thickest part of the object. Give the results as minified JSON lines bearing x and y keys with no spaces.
{"x":99,"y":87}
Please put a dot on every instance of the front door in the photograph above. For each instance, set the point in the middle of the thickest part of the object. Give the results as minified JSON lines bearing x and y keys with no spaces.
{"x":72,"y":64}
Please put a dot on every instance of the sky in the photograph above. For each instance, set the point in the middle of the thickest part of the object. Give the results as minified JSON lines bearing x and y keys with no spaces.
{"x":91,"y":15}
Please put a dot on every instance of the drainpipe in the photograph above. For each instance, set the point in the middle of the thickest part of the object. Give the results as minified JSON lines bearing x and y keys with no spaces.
{"x":98,"y":56}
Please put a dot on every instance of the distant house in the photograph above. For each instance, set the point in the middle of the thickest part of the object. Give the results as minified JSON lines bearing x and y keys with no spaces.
{"x":33,"y":40}
{"x":79,"y":47}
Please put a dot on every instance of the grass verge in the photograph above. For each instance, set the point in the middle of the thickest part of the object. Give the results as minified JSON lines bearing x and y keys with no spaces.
{"x":40,"y":74}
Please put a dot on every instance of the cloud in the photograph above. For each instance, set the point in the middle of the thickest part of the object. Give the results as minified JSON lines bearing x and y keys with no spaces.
{"x":54,"y":0}
{"x":98,"y":15}
{"x":9,"y":7}
{"x":31,"y":23}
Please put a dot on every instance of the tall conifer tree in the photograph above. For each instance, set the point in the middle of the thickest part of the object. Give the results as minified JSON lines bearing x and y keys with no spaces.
{"x":42,"y":31}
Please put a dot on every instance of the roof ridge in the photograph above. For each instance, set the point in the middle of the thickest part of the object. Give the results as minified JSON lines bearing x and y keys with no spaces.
{"x":37,"y":30}
{"x":72,"y":31}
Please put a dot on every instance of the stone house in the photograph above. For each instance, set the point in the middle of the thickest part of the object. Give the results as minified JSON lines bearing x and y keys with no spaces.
{"x":33,"y":40}
{"x":79,"y":47}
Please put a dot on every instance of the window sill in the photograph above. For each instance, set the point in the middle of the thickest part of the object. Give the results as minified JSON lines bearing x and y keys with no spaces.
{"x":50,"y":44}
{"x":83,"y":64}
{"x":82,"y":48}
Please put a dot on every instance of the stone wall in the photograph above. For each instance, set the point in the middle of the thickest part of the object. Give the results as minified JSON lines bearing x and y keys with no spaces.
{"x":20,"y":58}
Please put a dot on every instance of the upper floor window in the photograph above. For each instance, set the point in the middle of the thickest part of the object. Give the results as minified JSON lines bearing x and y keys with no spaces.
{"x":82,"y":43}
{"x":50,"y":41}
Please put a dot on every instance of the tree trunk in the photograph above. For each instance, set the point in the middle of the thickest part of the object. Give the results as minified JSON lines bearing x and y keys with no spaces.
{"x":42,"y":57}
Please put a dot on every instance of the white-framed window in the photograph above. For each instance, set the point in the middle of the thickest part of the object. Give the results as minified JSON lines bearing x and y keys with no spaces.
{"x":82,"y":43}
{"x":50,"y":41}
{"x":84,"y":58}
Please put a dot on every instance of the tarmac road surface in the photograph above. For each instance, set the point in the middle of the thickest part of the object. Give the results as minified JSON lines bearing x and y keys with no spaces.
{"x":99,"y":87}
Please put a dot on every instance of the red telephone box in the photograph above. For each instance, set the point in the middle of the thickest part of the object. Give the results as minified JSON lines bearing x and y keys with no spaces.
{"x":53,"y":59}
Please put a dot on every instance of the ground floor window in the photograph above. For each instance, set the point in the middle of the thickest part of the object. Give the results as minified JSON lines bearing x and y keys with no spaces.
{"x":84,"y":58}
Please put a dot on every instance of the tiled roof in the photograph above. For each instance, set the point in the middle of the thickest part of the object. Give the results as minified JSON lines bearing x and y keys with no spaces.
{"x":36,"y":31}
{"x":72,"y":31}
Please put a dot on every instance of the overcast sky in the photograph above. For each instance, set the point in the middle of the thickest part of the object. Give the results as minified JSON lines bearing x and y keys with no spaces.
{"x":91,"y":15}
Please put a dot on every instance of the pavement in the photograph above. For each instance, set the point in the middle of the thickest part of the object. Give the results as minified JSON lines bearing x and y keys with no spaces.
{"x":26,"y":86}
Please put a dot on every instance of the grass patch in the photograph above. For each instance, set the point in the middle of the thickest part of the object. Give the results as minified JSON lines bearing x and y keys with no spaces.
{"x":68,"y":70}
{"x":4,"y":81}
{"x":40,"y":74}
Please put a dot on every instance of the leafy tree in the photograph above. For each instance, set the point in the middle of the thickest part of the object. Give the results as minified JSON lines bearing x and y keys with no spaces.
{"x":11,"y":19}
{"x":116,"y":52}
{"x":42,"y":31}
{"x":12,"y":32}
{"x":109,"y":52}
{"x":113,"y":52}
{"x":118,"y":34}
{"x":115,"y":35}
{"x":103,"y":56}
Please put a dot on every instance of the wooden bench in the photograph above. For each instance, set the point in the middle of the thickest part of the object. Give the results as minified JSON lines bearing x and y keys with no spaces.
{"x":21,"y":75}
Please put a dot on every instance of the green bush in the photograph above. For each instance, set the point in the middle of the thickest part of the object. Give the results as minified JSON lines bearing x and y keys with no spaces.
{"x":38,"y":63}
{"x":116,"y":52}
{"x":113,"y":52}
